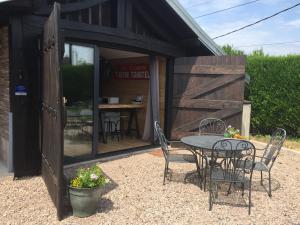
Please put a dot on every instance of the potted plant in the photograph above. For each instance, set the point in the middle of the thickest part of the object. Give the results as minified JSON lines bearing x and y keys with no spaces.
{"x":85,"y":190}
{"x":232,"y":132}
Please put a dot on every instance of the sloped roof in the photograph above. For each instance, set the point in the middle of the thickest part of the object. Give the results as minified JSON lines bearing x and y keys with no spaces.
{"x":202,"y":36}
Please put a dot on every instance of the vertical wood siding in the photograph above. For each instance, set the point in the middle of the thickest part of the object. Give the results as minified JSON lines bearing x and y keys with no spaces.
{"x":207,"y":87}
{"x":4,"y":93}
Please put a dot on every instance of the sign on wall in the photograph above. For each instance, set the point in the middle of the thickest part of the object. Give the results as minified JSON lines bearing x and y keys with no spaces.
{"x":131,"y":72}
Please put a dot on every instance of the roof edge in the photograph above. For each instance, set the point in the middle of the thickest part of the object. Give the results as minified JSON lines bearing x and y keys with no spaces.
{"x":202,"y":36}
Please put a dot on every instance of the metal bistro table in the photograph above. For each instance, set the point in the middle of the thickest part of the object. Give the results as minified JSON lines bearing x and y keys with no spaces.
{"x":201,"y":141}
{"x":206,"y":142}
{"x":200,"y":144}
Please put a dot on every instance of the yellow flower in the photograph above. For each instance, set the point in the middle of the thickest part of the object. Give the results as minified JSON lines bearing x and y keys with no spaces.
{"x":76,"y":183}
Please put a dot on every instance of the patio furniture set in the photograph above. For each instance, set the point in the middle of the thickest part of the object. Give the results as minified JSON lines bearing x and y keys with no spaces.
{"x":221,"y":160}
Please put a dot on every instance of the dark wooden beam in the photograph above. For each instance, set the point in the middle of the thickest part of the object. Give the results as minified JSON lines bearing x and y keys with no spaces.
{"x":191,"y":42}
{"x":195,"y":47}
{"x":17,"y":4}
{"x":169,"y":97}
{"x":153,"y":23}
{"x":110,"y":36}
{"x":71,"y":7}
{"x":121,"y":8}
{"x":167,"y":17}
{"x":121,"y":37}
{"x":128,"y":15}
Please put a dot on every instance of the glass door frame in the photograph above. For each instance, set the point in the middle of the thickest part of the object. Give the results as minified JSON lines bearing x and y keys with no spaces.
{"x":96,"y":91}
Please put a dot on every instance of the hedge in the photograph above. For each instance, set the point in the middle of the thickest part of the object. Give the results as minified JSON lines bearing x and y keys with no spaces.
{"x":274,"y":93}
{"x":78,"y":82}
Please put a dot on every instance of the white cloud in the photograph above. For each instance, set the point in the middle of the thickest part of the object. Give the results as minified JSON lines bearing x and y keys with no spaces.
{"x":282,"y":28}
{"x":294,"y":23}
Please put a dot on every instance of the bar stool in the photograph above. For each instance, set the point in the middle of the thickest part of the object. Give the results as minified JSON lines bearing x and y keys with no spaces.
{"x":119,"y":126}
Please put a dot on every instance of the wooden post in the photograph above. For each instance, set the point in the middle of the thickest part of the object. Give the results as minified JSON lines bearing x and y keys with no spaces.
{"x":18,"y":106}
{"x":96,"y":100}
{"x":245,"y":131}
{"x":169,"y":97}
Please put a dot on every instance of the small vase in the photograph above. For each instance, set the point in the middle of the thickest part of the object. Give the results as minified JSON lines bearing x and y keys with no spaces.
{"x":84,"y":201}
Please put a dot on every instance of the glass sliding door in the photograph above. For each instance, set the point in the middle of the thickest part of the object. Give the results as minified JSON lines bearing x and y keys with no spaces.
{"x":78,"y":76}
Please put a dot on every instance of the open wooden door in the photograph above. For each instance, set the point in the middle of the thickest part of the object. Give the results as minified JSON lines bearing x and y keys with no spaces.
{"x":205,"y":87}
{"x":52,"y":113}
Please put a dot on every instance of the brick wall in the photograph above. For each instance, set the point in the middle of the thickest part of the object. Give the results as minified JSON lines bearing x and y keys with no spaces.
{"x":4,"y":93}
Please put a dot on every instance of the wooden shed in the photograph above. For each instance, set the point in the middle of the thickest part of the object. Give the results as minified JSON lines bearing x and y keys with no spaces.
{"x":84,"y":79}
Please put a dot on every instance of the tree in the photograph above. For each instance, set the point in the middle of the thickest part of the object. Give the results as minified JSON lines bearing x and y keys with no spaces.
{"x":258,"y":52}
{"x":230,"y":50}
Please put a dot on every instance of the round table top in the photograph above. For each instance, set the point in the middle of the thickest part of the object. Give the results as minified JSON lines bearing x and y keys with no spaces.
{"x":201,"y":141}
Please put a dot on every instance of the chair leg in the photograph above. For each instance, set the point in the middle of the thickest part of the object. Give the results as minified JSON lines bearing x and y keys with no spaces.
{"x":243,"y":189}
{"x":249,"y":209}
{"x":165,"y":173}
{"x":205,"y":174}
{"x":210,"y":197}
{"x":199,"y":174}
{"x":261,"y":178}
{"x":229,"y":189}
{"x":202,"y":163}
{"x":270,"y":189}
{"x":217,"y":191}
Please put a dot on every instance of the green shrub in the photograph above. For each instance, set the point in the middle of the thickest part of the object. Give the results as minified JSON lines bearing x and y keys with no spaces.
{"x":274,"y":93}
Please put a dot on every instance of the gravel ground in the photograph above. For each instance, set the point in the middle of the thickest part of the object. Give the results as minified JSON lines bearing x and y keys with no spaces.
{"x":137,"y":196}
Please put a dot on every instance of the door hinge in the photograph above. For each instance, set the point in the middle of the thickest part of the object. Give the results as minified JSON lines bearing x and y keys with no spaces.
{"x":49,"y":109}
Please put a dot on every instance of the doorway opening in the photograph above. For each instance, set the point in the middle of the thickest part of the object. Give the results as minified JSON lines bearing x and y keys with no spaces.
{"x":124,"y":107}
{"x":106,"y":99}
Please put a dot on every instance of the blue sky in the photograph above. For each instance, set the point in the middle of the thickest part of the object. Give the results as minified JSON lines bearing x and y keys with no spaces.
{"x":282,"y":28}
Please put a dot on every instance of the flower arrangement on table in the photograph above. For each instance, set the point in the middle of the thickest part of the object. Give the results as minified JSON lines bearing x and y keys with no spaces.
{"x":232,"y":132}
{"x":89,"y":178}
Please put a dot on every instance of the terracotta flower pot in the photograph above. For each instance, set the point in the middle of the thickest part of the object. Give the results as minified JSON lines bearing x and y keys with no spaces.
{"x":84,"y":201}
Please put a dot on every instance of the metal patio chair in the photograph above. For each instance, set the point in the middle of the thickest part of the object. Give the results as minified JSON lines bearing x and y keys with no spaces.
{"x":171,"y":156}
{"x":226,"y":154}
{"x":212,"y":126}
{"x":271,"y":152}
{"x":209,"y":126}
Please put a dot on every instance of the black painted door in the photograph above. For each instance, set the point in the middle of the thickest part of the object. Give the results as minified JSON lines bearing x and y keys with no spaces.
{"x":52,"y":111}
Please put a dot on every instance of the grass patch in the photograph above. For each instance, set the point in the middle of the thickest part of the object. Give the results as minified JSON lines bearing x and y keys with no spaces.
{"x":290,"y":142}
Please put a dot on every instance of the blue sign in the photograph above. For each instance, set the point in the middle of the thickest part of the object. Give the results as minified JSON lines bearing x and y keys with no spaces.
{"x":21,"y":90}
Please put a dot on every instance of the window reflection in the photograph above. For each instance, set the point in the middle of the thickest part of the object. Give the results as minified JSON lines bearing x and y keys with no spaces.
{"x":78,"y":77}
{"x":82,"y":55}
{"x":66,"y":59}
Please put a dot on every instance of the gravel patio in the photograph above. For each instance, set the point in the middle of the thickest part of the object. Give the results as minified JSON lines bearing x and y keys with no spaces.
{"x":136,"y":196}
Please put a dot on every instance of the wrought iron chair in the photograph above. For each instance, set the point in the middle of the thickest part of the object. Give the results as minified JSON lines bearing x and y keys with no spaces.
{"x":232,"y":161}
{"x":212,"y":126}
{"x":271,"y":152}
{"x":209,"y":126}
{"x":171,"y":156}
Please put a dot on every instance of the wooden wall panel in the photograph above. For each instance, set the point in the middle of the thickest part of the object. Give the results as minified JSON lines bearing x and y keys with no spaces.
{"x":4,"y":93}
{"x":207,"y":87}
